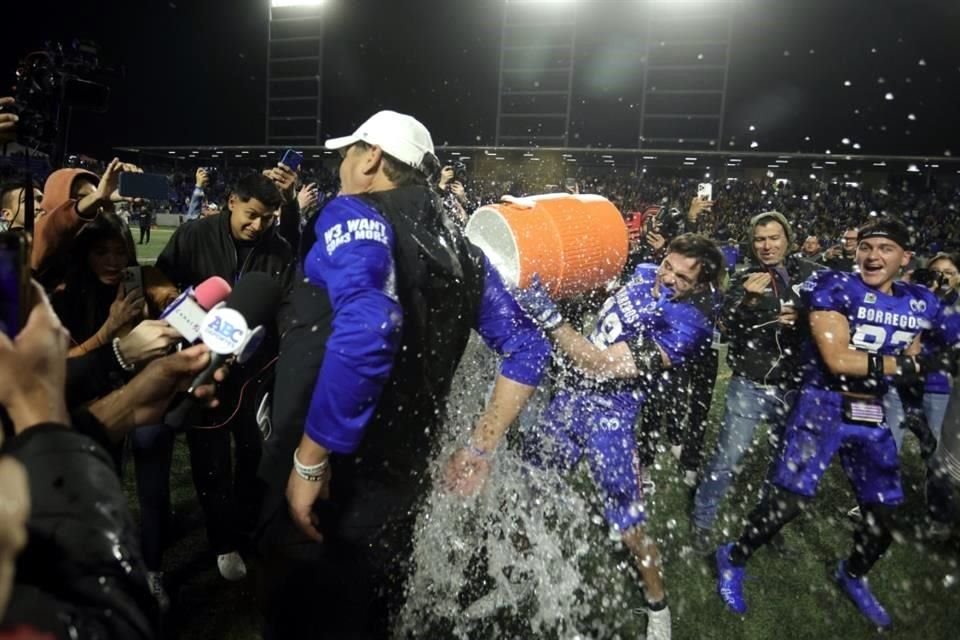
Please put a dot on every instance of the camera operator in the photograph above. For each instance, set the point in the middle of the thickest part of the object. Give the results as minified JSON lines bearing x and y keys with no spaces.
{"x":454,"y":194}
{"x":842,"y":256}
{"x":925,"y":404}
{"x":66,"y":524}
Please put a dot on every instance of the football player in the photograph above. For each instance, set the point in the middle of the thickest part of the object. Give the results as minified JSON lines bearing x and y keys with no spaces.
{"x":864,"y":325}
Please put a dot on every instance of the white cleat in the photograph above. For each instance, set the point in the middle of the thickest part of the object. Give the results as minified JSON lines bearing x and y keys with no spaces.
{"x":658,"y":624}
{"x":231,"y":566}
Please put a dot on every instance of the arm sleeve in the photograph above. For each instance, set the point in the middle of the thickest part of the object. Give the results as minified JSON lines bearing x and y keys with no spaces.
{"x":684,"y":334}
{"x":79,"y":516}
{"x":506,"y":329}
{"x":196,"y":199}
{"x":742,"y":311}
{"x":93,"y":375}
{"x":289,"y":223}
{"x":353,"y":260}
{"x":53,"y":234}
{"x":825,"y":291}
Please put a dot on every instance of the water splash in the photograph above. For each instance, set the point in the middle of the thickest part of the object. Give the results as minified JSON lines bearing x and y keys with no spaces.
{"x":510,"y":562}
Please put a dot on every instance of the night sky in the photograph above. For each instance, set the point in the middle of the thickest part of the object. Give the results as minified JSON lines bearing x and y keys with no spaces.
{"x":193,"y":71}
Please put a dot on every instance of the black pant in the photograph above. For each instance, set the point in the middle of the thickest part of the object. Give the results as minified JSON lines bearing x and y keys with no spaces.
{"x":778,"y":507}
{"x":349,"y":586}
{"x":227,"y":495}
{"x":152,"y":455}
{"x":682,"y":398}
{"x":703,"y":377}
{"x":144,"y":232}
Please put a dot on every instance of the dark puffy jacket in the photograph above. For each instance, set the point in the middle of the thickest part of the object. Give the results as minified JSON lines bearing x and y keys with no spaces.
{"x":200,"y":249}
{"x":440,"y":285}
{"x":203,"y":248}
{"x":760,"y":348}
{"x":81,"y":574}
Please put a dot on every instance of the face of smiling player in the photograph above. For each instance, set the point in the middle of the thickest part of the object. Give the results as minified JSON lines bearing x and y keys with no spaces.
{"x":880,"y":261}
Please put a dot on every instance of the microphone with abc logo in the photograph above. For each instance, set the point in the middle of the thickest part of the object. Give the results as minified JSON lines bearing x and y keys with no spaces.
{"x":233,"y":331}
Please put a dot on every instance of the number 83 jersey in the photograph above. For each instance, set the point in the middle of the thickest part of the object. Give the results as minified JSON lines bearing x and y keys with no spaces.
{"x":879,"y":323}
{"x":682,"y":328}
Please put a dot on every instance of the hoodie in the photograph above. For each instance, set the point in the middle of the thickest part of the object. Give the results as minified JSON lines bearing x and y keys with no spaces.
{"x":54,"y":231}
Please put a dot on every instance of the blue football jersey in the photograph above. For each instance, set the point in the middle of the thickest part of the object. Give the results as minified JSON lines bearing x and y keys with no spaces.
{"x":682,"y":328}
{"x":879,"y":323}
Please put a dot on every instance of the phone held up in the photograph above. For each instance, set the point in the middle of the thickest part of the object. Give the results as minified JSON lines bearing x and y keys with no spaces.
{"x":705,"y":191}
{"x":14,"y":281}
{"x":147,"y":186}
{"x":291,"y":159}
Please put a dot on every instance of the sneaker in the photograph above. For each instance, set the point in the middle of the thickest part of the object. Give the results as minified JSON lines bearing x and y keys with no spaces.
{"x":658,"y":624}
{"x":858,"y":590}
{"x":231,"y":566}
{"x":155,"y":583}
{"x":730,"y":580}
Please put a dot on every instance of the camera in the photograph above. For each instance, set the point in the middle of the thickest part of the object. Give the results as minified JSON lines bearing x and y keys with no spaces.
{"x":459,"y":172}
{"x":929,"y":278}
{"x":51,"y":81}
{"x":668,"y":222}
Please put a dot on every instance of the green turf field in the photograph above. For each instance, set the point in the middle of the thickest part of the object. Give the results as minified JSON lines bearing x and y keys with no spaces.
{"x":790,"y":597}
{"x":147,"y":253}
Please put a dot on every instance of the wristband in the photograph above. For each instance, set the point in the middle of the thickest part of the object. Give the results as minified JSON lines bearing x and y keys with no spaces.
{"x":126,"y":366}
{"x":875,"y":367}
{"x":312,"y":473}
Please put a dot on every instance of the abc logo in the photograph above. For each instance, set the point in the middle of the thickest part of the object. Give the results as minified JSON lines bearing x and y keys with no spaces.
{"x":224,"y":331}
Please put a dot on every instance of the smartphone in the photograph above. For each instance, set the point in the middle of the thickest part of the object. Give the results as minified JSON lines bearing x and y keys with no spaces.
{"x":14,"y":281}
{"x":149,"y":186}
{"x":132,"y":278}
{"x":292,"y":159}
{"x":705,"y":191}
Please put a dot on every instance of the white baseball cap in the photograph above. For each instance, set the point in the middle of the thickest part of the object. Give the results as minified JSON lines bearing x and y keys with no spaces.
{"x":402,"y":136}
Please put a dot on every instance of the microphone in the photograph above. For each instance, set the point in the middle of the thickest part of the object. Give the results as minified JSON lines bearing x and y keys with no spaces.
{"x":233,"y":331}
{"x":186,"y":313}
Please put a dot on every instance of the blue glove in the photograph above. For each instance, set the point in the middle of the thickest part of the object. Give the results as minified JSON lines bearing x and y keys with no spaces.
{"x":539,"y":305}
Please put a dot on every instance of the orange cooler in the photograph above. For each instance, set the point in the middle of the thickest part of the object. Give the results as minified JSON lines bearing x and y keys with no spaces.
{"x":576,"y":243}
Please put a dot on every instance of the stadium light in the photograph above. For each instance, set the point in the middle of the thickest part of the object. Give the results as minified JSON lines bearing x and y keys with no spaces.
{"x":297,"y":3}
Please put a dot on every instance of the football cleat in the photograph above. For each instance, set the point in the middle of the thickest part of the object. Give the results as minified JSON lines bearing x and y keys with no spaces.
{"x":730,"y":580}
{"x":858,"y":590}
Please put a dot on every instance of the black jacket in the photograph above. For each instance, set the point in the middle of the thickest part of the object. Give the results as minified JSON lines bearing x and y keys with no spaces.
{"x":204,"y":248}
{"x":81,"y":574}
{"x":760,"y":348}
{"x":440,"y":280}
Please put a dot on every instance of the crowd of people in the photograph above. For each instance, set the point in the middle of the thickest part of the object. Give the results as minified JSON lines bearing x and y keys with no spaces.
{"x":310,"y":438}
